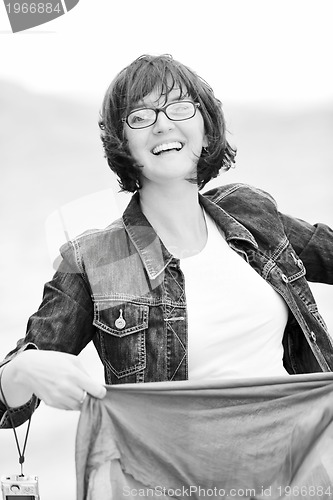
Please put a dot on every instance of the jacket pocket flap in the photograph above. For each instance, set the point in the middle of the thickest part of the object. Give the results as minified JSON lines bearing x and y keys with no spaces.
{"x":120,"y":318}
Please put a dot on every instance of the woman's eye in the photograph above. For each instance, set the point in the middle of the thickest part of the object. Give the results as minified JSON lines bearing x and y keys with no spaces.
{"x":137,"y":118}
{"x":181,"y":108}
{"x":140,"y":116}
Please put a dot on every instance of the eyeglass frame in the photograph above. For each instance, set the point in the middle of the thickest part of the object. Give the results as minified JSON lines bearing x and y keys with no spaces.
{"x":163,"y":109}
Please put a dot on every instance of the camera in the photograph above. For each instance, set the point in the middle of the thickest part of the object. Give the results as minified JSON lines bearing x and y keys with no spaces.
{"x":20,"y":487}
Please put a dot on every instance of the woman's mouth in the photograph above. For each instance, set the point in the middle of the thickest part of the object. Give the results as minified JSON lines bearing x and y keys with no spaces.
{"x":165,"y":147}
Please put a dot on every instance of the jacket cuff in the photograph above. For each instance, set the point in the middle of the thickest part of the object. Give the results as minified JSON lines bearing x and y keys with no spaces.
{"x":19,"y":415}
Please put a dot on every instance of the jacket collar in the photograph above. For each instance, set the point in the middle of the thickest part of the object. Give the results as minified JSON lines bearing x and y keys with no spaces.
{"x":231,"y":228}
{"x":151,"y":249}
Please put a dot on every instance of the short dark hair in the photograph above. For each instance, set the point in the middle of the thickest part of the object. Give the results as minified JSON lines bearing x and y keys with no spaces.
{"x":135,"y":82}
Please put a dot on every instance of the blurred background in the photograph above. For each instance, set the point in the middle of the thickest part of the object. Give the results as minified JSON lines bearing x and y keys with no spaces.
{"x":270,"y":62}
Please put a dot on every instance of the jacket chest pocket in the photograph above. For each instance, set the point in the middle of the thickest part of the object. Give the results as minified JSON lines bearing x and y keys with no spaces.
{"x":122,"y":329}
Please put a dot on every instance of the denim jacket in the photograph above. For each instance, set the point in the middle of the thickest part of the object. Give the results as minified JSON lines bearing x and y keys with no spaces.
{"x":121,"y":288}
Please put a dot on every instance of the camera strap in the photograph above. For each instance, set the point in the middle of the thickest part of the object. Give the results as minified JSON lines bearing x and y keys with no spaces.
{"x":21,"y":455}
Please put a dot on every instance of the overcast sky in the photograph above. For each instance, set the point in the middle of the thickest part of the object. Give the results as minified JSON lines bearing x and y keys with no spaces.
{"x":277,"y":51}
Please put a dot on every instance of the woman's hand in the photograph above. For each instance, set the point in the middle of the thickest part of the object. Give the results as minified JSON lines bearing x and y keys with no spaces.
{"x":56,"y":378}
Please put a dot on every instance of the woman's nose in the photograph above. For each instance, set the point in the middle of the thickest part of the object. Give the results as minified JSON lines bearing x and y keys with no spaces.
{"x":163,"y":123}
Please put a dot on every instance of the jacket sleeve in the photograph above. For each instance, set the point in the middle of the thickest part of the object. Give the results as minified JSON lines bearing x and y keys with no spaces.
{"x":63,"y":322}
{"x":314,"y":246}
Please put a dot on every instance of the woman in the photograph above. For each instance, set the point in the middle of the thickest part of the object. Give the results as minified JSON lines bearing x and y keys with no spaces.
{"x":184,"y":286}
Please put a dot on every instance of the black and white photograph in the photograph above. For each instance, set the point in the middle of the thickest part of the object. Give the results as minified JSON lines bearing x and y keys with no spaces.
{"x":166,"y":250}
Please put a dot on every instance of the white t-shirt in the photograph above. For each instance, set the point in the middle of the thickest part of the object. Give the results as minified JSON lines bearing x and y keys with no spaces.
{"x":235,"y":319}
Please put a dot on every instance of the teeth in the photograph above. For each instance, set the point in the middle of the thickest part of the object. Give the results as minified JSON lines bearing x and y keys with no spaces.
{"x":166,"y":147}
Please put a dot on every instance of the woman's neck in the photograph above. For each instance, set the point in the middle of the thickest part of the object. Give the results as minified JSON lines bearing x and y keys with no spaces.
{"x":177,"y":217}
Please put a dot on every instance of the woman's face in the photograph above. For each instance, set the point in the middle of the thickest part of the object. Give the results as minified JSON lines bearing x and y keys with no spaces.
{"x":182,"y":142}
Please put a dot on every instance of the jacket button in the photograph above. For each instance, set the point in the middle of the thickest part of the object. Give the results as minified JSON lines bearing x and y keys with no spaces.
{"x":120,"y":322}
{"x":284,"y":278}
{"x":313,"y":336}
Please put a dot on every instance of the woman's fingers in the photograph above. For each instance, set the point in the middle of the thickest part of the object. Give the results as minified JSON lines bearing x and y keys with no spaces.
{"x":95,"y":389}
{"x":87,"y":384}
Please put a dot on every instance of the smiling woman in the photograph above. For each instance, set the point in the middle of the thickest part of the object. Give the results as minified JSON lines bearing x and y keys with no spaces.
{"x":184,"y":286}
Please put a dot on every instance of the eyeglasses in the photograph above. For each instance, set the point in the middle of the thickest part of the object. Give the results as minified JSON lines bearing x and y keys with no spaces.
{"x":175,"y":111}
